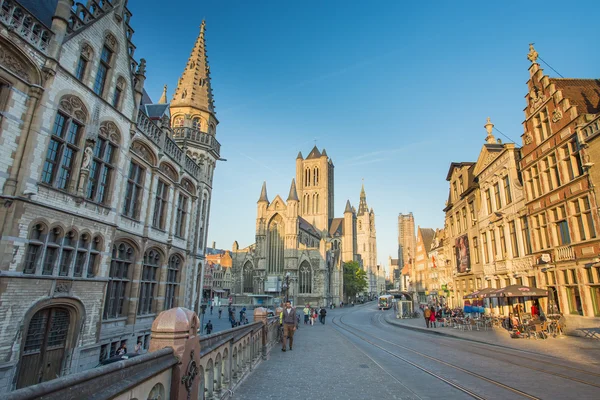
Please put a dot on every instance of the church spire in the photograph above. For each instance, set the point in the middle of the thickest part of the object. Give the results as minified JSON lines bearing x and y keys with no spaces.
{"x":193,"y":89}
{"x":163,"y":97}
{"x":362,"y":206}
{"x":293,"y":193}
{"x":263,"y":193}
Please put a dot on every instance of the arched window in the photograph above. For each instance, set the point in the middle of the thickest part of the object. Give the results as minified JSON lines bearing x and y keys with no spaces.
{"x":68,"y":248}
{"x":106,"y":62}
{"x":172,"y":281}
{"x":85,"y":57}
{"x":178,"y":122}
{"x":305,"y":278}
{"x":118,"y":280}
{"x":52,"y":250}
{"x":202,"y":221}
{"x":316,"y":176}
{"x":307,"y":177}
{"x":66,"y":139}
{"x":196,"y":123}
{"x":248,"y":278}
{"x":275,"y":245}
{"x":316,"y":203}
{"x":35,"y":248}
{"x":149,"y":281}
{"x":117,"y":99}
{"x":102,"y":167}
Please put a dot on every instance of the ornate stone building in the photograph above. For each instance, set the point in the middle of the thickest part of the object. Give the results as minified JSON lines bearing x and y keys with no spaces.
{"x":105,"y":207}
{"x":299,"y":242}
{"x":366,"y":238}
{"x":420,"y":271}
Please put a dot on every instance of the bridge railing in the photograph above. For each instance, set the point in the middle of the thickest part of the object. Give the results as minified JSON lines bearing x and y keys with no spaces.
{"x":179,"y":365}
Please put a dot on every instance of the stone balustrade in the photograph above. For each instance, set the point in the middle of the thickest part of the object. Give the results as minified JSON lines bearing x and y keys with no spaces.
{"x":198,"y":138}
{"x":564,"y":253}
{"x":24,"y":24}
{"x":179,"y":365}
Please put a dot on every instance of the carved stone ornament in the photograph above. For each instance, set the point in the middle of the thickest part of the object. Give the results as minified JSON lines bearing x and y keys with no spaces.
{"x":111,"y":41}
{"x":168,"y":171}
{"x":87,"y":51}
{"x":110,"y":130}
{"x":74,"y":106}
{"x":528,"y":139}
{"x":142,"y":151}
{"x":13,"y":63}
{"x":535,"y":95}
{"x":190,"y":373}
{"x":88,"y":155}
{"x":62,"y":286}
{"x":556,"y":115}
{"x":187,"y":185}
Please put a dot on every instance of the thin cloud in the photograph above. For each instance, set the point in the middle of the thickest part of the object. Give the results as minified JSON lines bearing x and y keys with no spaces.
{"x":259,"y":163}
{"x":379,"y":155}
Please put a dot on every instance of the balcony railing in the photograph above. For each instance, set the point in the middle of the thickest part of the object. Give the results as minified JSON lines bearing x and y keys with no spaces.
{"x":198,"y":138}
{"x":564,"y":253}
{"x":24,"y":24}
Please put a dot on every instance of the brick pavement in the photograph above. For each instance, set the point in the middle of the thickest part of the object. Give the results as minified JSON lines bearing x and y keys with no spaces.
{"x":570,"y":347}
{"x":323,"y":365}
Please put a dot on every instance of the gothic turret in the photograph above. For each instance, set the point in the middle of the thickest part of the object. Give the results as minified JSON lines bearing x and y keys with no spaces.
{"x":263,"y":194}
{"x":293,"y":196}
{"x":362,"y":206}
{"x":163,"y":97}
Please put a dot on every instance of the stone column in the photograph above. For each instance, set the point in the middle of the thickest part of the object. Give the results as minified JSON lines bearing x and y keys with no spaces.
{"x":260,"y":314}
{"x":177,"y":328}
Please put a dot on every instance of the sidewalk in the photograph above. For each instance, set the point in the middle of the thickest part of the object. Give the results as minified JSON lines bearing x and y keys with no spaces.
{"x":573,"y":348}
{"x":223,"y":323}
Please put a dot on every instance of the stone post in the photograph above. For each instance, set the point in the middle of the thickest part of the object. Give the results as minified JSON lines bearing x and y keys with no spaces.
{"x":260,"y":314}
{"x":177,"y":328}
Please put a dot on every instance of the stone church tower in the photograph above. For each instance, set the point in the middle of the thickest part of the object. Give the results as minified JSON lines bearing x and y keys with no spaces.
{"x":367,"y":239}
{"x":314,"y":178}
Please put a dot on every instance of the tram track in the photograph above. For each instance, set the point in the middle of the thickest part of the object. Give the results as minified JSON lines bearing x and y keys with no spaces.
{"x":482,"y":346}
{"x":342,"y":325}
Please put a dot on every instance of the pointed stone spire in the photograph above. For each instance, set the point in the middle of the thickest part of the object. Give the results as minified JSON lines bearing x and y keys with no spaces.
{"x":324,"y":153}
{"x":263,"y":193}
{"x":348,"y":207}
{"x":293,"y":193}
{"x":299,"y":156}
{"x":489,"y":127}
{"x":314,"y":153}
{"x":193,"y":88}
{"x":163,"y":97}
{"x":362,"y":206}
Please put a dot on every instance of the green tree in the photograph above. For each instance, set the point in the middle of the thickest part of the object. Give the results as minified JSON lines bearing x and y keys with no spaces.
{"x":355,"y":279}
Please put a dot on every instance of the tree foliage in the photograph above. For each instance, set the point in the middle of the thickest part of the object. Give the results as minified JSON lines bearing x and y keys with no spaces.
{"x":355,"y":279}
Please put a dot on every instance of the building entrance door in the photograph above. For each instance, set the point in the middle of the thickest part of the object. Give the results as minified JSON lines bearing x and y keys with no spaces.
{"x":44,"y":348}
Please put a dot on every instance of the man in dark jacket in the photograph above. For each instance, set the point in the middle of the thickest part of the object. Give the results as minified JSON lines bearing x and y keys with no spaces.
{"x":322,"y":314}
{"x":288,"y":319}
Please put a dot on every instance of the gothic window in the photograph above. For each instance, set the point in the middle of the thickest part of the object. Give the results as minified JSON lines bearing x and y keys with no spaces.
{"x":133,"y":192}
{"x":305,"y":278}
{"x":178,"y":122}
{"x":307,"y":177}
{"x":52,"y":251}
{"x":172,"y":281}
{"x":103,"y":68}
{"x":118,"y":280}
{"x":196,"y":123}
{"x":211,"y":129}
{"x":181,"y":216}
{"x":37,"y":239}
{"x":148,"y":282}
{"x":316,"y":176}
{"x":202,"y":221}
{"x":82,"y":63}
{"x":102,"y":166}
{"x":86,"y":256}
{"x":60,"y":168}
{"x":117,"y":99}
{"x":275,"y":245}
{"x":68,"y":248}
{"x":248,"y":278}
{"x":160,"y":205}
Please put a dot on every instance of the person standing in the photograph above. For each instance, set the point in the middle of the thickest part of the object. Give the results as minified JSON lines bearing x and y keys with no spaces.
{"x":306,"y":312}
{"x":220,"y":311}
{"x":287,"y":318}
{"x":432,"y":317}
{"x":322,"y":315}
{"x":211,"y":308}
{"x":427,"y":316}
{"x":209,"y":327}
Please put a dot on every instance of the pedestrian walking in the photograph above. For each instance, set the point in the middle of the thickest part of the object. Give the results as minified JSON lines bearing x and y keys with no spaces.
{"x":209,"y":327}
{"x":323,"y":313}
{"x":288,"y":319}
{"x":243,"y":314}
{"x":427,"y":316}
{"x":306,"y":312}
{"x":211,"y":308}
{"x":220,"y":311}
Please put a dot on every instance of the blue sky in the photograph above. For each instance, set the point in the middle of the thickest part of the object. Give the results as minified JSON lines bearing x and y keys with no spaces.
{"x":394,"y":91}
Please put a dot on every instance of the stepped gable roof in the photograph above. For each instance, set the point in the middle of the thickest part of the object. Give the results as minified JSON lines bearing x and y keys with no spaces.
{"x":42,"y":10}
{"x":427,"y":235}
{"x":308,"y":227}
{"x":583,"y":93}
{"x":337,"y":227}
{"x":314,"y":153}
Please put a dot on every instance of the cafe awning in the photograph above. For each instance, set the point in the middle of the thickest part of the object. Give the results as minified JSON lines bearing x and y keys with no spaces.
{"x":516,"y":291}
{"x":479,"y":294}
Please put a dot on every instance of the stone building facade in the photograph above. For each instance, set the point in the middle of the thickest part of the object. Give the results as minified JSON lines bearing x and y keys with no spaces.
{"x":299,"y":244}
{"x":366,"y":238}
{"x":105,"y":215}
{"x":420,"y":270}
